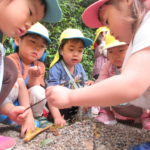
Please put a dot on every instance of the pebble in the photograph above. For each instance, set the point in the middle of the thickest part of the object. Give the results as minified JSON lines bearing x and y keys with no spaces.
{"x":85,"y":135}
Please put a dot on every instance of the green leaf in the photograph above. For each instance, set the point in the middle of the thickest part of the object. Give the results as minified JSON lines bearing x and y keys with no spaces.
{"x":46,"y":142}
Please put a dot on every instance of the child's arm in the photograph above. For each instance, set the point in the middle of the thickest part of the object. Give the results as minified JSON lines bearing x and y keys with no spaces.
{"x":24,"y":101}
{"x":84,"y":77}
{"x":89,"y":82}
{"x":36,"y":75}
{"x":15,"y":113}
{"x":58,"y":119}
{"x":54,"y":75}
{"x":129,"y":85}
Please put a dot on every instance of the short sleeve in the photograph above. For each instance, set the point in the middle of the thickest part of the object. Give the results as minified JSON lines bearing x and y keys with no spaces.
{"x":54,"y":75}
{"x":83,"y":72}
{"x":142,"y":37}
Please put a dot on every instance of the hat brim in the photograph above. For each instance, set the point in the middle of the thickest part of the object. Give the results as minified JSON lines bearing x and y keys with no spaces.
{"x":90,"y":15}
{"x":115,"y":45}
{"x":53,"y":12}
{"x":87,"y":42}
{"x":44,"y":37}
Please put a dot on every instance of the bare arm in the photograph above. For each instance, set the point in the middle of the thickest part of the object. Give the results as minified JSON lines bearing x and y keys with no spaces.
{"x":23,"y":93}
{"x":132,"y":83}
{"x":55,"y":112}
{"x":129,"y":85}
{"x":58,"y":119}
{"x":24,"y":101}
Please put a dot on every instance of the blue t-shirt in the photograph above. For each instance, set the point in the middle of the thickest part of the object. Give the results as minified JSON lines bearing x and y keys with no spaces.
{"x":58,"y":76}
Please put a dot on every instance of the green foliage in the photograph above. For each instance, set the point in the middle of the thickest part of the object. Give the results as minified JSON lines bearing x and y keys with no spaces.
{"x":72,"y":11}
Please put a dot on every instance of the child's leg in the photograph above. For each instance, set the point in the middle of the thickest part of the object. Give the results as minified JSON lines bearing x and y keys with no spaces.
{"x":36,"y":94}
{"x":145,"y":119}
{"x":10,"y":77}
{"x":127,"y":111}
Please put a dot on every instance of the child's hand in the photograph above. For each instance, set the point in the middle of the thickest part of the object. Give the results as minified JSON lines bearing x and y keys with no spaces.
{"x":58,"y":96}
{"x":89,"y":82}
{"x":17,"y":114}
{"x":60,"y":121}
{"x":34,"y":71}
{"x":28,"y":125}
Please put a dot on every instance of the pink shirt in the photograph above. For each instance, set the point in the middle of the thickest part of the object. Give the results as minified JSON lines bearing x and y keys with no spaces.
{"x":107,"y":70}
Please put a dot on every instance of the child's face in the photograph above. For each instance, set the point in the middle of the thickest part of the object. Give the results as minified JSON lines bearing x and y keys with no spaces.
{"x":31,"y":47}
{"x":72,"y":52}
{"x":102,"y":35}
{"x":18,"y":15}
{"x":116,"y":55}
{"x":116,"y":19}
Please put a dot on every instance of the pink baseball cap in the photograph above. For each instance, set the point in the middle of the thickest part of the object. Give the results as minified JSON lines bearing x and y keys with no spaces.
{"x":90,"y":15}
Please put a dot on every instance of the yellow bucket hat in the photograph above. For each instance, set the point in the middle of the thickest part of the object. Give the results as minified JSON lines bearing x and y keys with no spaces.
{"x":112,"y":42}
{"x":71,"y":34}
{"x":98,"y":31}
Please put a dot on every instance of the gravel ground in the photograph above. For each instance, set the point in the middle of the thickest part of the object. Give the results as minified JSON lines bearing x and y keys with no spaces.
{"x":85,"y":135}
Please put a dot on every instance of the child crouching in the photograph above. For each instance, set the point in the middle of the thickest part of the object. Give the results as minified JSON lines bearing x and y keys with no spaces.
{"x":66,"y":70}
{"x":30,"y":48}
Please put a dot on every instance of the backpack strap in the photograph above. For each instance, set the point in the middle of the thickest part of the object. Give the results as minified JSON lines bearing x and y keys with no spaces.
{"x":22,"y":71}
{"x":76,"y":86}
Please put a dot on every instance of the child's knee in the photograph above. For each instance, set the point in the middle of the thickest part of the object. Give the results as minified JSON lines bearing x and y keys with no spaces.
{"x":36,"y":94}
{"x":13,"y":95}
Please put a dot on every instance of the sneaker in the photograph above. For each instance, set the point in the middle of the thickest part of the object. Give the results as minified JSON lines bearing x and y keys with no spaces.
{"x":145,"y":119}
{"x":94,"y":111}
{"x":106,"y":117}
{"x":43,"y":121}
{"x":7,"y":143}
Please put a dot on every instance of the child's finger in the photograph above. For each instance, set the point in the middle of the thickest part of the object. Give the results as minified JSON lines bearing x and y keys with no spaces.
{"x":23,"y":132}
{"x":22,"y":116}
{"x":19,"y":110}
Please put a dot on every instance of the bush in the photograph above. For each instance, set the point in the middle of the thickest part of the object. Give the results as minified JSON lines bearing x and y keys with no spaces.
{"x":72,"y":10}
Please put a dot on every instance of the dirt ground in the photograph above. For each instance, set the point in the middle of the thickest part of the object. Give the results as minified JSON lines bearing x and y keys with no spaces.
{"x":85,"y":135}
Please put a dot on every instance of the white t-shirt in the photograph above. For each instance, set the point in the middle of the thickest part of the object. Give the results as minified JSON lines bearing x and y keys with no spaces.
{"x":141,"y":41}
{"x":2,"y":53}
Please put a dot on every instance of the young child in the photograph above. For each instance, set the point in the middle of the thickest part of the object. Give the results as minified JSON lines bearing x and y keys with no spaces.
{"x":30,"y":48}
{"x":116,"y":51}
{"x":100,"y":58}
{"x":99,"y":51}
{"x":132,"y":85}
{"x":25,"y":13}
{"x":115,"y":54}
{"x":68,"y":71}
